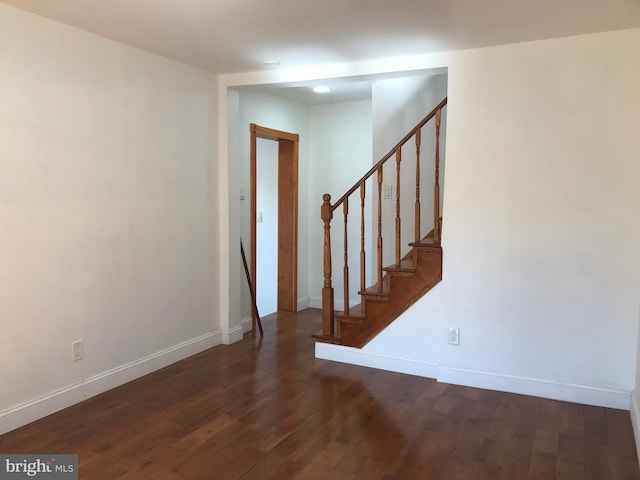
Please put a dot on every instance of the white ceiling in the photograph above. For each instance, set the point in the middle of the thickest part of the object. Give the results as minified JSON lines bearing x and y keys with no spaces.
{"x":226,"y":36}
{"x":341,"y":90}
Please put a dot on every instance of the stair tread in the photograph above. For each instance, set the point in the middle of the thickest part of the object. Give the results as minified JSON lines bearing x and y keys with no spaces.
{"x":405,"y":265}
{"x":354,"y":312}
{"x":356,"y":320}
{"x":373,"y":291}
{"x":425,"y":242}
{"x":325,"y":338}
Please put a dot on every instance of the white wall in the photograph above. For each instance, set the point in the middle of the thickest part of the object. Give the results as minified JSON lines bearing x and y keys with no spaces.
{"x":635,"y":401}
{"x":267,"y":110}
{"x":398,"y":105}
{"x":340,"y":153}
{"x":267,"y":226}
{"x":105,"y":213}
{"x":541,"y":264}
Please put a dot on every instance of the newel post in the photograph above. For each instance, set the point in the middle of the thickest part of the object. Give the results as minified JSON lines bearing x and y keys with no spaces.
{"x":327,"y":291}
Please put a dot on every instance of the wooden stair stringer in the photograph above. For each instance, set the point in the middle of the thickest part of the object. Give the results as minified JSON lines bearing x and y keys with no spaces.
{"x":404,"y":291}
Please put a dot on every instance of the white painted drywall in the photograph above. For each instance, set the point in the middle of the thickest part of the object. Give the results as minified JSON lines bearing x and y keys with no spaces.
{"x":635,"y":401}
{"x":270,"y":111}
{"x":267,"y":226}
{"x":398,"y":105}
{"x":541,"y":265}
{"x":340,"y":153}
{"x":105,"y":212}
{"x":230,"y":273}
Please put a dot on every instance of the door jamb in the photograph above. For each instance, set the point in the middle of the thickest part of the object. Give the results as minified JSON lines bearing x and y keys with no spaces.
{"x":287,"y":166}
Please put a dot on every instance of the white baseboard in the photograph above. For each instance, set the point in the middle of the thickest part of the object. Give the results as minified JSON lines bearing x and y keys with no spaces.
{"x":584,"y":394}
{"x":64,"y":397}
{"x":246,"y":323}
{"x":635,"y":419}
{"x":316,"y":302}
{"x":356,"y":356}
{"x":232,"y":335}
{"x":303,"y":303}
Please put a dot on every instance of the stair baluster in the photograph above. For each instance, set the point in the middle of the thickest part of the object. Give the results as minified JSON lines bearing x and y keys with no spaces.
{"x":363,"y":254}
{"x":417,"y":208}
{"x":380,"y":229}
{"x":345,"y":210}
{"x":398,"y":220}
{"x":436,"y":188}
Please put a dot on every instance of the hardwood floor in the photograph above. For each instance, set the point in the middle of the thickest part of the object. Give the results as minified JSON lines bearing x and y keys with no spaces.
{"x":270,"y":410}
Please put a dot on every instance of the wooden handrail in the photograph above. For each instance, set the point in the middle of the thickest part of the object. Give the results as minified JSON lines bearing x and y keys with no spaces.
{"x":406,"y":138}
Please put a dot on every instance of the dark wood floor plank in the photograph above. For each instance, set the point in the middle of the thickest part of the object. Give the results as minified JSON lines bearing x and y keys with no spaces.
{"x":572,"y":419}
{"x":517,"y":458}
{"x":543,"y":466}
{"x":622,"y":446}
{"x":571,"y":448}
{"x":570,"y":471}
{"x":546,"y":442}
{"x":596,"y":460}
{"x":267,"y":409}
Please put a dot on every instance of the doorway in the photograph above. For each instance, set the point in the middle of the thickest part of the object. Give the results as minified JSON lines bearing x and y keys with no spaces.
{"x":287,"y":215}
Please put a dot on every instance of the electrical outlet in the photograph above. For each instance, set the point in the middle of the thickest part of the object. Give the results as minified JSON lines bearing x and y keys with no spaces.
{"x":77,"y":349}
{"x":454,"y":336}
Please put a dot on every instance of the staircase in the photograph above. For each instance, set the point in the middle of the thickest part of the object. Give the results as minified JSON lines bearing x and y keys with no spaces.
{"x":413,"y":272}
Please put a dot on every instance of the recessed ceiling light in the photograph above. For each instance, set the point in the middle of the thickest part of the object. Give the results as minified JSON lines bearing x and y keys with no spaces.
{"x":321,"y":89}
{"x":271,"y":63}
